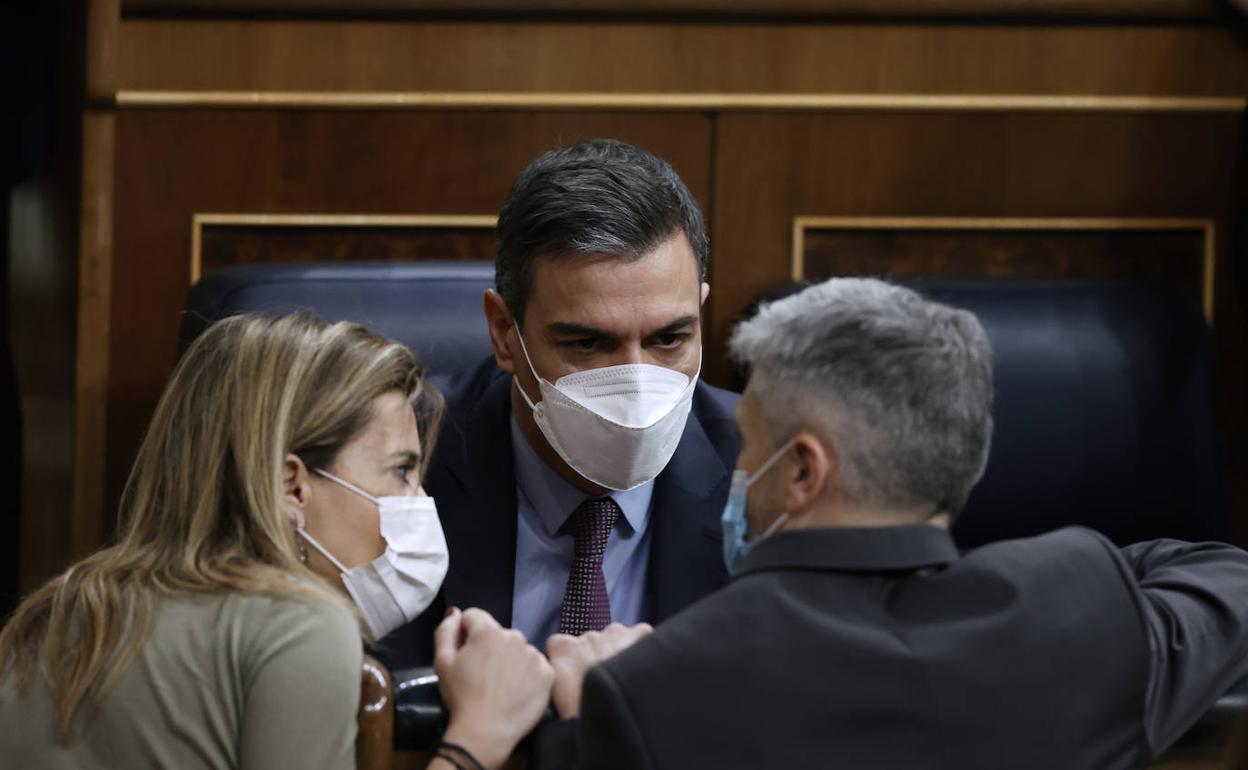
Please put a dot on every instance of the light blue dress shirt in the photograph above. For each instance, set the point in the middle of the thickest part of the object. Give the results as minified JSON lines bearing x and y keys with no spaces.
{"x":544,"y":547}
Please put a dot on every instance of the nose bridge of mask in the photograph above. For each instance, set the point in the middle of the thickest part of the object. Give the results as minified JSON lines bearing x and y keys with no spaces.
{"x":630,"y":395}
{"x":633,"y":396}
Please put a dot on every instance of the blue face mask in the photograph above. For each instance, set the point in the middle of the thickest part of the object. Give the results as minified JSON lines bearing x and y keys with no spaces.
{"x":733,"y":520}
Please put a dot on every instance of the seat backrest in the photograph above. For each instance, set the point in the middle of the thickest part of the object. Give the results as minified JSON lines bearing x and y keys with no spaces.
{"x":432,"y":307}
{"x":1104,"y":411}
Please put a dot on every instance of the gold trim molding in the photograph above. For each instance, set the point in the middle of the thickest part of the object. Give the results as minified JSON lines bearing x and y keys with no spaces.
{"x":672,"y":101}
{"x":199,"y":220}
{"x":1205,"y":227}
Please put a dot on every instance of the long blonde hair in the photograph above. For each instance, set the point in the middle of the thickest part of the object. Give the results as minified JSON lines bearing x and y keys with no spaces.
{"x":201,"y":512}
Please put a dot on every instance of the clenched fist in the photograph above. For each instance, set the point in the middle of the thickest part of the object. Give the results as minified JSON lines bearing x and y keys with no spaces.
{"x":572,"y":656}
{"x":494,"y":683}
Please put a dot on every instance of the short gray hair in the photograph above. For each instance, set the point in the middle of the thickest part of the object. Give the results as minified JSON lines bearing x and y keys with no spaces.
{"x":900,"y":386}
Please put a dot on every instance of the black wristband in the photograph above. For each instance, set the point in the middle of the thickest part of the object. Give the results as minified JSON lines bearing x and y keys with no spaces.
{"x":449,"y":751}
{"x":450,"y":757}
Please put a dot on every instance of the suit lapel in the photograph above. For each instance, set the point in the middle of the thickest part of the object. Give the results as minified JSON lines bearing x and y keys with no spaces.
{"x":480,"y":523}
{"x":686,"y":555}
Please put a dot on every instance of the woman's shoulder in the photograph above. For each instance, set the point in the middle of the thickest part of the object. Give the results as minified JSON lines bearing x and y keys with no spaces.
{"x":295,"y":614}
{"x":255,"y":627}
{"x":324,"y":634}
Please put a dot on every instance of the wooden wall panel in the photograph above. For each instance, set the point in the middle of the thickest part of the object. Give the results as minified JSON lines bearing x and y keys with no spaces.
{"x":1117,"y":250}
{"x":769,"y":58}
{"x":892,"y":117}
{"x":1175,"y":10}
{"x":171,"y":165}
{"x":771,"y":169}
{"x":222,"y":245}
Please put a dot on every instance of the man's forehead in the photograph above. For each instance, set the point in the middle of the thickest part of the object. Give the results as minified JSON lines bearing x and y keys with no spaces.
{"x":617,"y":293}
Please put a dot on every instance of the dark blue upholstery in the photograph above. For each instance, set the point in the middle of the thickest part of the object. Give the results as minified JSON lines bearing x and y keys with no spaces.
{"x":432,"y":307}
{"x":1104,"y":400}
{"x":1104,"y":411}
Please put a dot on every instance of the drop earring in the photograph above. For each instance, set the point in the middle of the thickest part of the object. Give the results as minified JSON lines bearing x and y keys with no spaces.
{"x":303,"y":552}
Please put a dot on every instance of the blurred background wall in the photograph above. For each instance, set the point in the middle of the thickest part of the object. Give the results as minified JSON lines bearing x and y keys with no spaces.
{"x":1096,"y":138}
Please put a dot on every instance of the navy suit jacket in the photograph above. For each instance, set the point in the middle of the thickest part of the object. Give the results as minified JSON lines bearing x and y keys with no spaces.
{"x":472,"y":478}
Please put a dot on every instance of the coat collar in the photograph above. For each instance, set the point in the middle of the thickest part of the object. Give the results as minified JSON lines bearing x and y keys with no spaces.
{"x":853,"y":549}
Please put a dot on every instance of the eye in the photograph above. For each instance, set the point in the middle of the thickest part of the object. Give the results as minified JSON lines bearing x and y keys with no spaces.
{"x":583,"y":345}
{"x":404,"y":471}
{"x":671,"y":340}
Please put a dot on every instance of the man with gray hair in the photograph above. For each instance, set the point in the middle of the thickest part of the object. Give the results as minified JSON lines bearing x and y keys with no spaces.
{"x":853,"y":634}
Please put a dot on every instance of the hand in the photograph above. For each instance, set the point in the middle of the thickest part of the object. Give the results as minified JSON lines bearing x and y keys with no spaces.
{"x":572,"y":656}
{"x":494,"y":683}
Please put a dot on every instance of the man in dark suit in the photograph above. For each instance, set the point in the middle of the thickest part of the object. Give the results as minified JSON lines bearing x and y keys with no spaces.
{"x":580,"y":472}
{"x":853,"y":634}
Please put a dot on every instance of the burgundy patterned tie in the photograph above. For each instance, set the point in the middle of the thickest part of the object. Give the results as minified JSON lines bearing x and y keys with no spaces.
{"x":585,"y":603}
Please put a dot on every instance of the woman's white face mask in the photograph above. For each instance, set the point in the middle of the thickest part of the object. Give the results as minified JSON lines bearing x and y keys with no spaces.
{"x":397,"y":586}
{"x":617,"y":426}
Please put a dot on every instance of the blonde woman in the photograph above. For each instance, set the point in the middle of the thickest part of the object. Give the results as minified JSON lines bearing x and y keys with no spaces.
{"x":273,"y":518}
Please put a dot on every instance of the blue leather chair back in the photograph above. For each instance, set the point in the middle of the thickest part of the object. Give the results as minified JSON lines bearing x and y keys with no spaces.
{"x":1104,"y":411}
{"x":1104,"y":400}
{"x":432,"y":307}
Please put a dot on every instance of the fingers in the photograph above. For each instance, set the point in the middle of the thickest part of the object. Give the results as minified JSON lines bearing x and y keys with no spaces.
{"x":476,"y":620}
{"x":560,"y":644}
{"x":637,"y":631}
{"x":446,"y":637}
{"x":541,"y":665}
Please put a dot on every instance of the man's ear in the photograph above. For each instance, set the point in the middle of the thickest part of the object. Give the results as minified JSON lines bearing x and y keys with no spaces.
{"x":814,"y":467}
{"x":295,"y":489}
{"x":499,"y":321}
{"x":706,"y":291}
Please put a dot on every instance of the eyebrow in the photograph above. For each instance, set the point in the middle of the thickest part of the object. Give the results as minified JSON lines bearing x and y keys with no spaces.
{"x":406,"y":456}
{"x":566,"y":329}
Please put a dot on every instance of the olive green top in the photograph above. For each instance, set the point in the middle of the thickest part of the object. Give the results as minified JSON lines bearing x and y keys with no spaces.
{"x":225,"y":681}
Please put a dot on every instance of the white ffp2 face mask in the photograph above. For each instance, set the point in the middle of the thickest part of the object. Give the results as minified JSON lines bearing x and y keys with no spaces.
{"x":397,"y":586}
{"x":617,"y":426}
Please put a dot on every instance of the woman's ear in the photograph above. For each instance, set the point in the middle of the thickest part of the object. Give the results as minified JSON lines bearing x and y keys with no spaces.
{"x":295,"y":489}
{"x":815,"y":466}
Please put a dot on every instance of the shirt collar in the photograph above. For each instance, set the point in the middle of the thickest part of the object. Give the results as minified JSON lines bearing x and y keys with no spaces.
{"x":555,"y":500}
{"x":857,"y":549}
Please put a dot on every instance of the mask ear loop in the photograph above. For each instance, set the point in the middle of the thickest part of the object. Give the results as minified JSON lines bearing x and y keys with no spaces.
{"x":775,"y":458}
{"x":528,"y":361}
{"x":345,"y":483}
{"x":756,"y":475}
{"x":771,"y":529}
{"x":303,"y":533}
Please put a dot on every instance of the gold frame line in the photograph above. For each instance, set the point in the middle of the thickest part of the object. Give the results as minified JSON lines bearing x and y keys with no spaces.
{"x":503,"y":100}
{"x":1206,"y":227}
{"x":200,"y":219}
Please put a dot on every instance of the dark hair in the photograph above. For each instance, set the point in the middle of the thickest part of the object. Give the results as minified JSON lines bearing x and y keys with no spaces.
{"x":596,"y":197}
